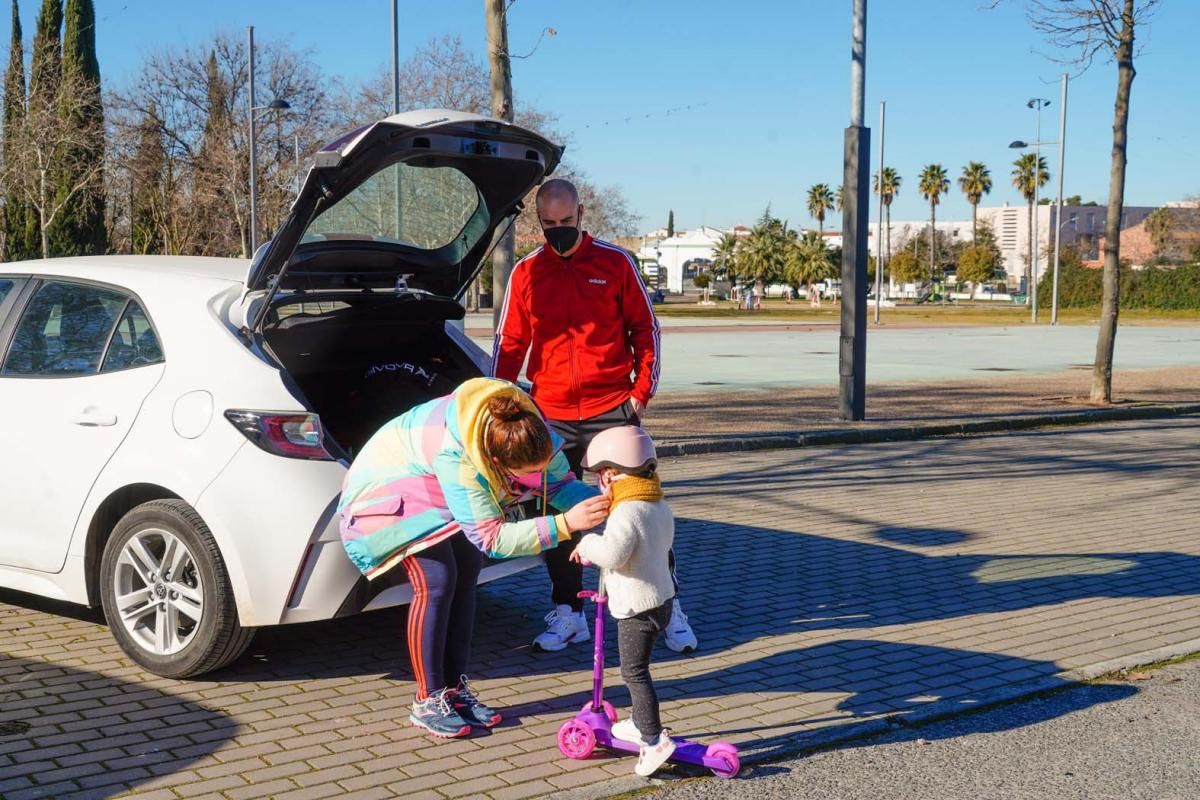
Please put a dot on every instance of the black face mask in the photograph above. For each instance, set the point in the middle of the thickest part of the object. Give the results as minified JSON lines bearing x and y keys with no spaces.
{"x":562,"y":238}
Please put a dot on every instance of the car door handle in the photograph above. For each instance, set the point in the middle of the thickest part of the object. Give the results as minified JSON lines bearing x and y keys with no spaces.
{"x":92,"y":418}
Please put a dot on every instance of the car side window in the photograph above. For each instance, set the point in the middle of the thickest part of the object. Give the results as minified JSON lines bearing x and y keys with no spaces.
{"x":134,"y":343}
{"x":63,"y":330}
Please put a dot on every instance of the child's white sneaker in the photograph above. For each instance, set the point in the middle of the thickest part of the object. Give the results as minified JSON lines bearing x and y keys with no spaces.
{"x":565,"y":627}
{"x":679,"y":634}
{"x":627,"y":731}
{"x":652,"y":756}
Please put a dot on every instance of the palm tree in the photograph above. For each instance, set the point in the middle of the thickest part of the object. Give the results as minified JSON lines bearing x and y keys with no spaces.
{"x":841,"y":205}
{"x":808,"y":261}
{"x":887,"y":189}
{"x":1028,"y":175}
{"x":932,"y":184}
{"x":725,"y":254}
{"x":820,"y":200}
{"x":975,"y":182}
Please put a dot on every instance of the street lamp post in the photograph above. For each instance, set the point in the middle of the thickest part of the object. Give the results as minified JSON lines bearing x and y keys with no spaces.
{"x":1037,"y":103}
{"x":856,"y":199}
{"x":274,"y":105}
{"x":1062,"y":147}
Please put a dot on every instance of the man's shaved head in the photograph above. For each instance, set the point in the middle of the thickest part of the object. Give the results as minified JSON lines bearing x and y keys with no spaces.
{"x":560,"y":190}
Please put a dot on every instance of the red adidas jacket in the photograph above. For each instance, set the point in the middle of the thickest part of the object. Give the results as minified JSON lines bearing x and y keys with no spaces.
{"x":588,"y":327}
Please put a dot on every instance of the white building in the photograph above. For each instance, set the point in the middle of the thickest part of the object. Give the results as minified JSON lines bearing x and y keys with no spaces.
{"x":674,"y":253}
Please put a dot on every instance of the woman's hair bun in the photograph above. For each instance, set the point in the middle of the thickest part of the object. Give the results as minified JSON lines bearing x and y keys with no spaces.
{"x":505,"y":408}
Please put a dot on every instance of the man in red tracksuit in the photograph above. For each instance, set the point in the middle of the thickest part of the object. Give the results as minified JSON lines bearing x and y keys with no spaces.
{"x":577,"y":306}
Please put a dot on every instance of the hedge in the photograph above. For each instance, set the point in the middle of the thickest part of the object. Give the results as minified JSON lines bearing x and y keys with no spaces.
{"x":1165,"y":288}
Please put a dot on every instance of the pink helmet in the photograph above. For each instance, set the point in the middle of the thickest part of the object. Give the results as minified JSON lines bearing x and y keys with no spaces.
{"x":627,"y":448}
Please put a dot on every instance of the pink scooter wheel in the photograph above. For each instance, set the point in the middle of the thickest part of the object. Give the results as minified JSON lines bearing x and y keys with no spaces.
{"x":576,"y":740}
{"x":727,"y":753}
{"x":609,"y":711}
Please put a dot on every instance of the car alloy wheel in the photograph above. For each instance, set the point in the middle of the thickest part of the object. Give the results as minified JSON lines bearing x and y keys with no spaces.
{"x":158,"y":591}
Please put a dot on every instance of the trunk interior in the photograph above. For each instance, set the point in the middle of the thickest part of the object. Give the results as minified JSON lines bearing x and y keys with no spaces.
{"x":362,"y":359}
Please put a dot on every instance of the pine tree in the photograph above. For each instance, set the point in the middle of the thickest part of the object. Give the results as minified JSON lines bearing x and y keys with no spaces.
{"x":45,"y":74}
{"x":147,"y":195}
{"x":20,"y":237}
{"x":80,"y":230}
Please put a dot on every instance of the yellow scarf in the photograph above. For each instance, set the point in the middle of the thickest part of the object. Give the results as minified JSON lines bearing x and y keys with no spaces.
{"x":631,"y":487}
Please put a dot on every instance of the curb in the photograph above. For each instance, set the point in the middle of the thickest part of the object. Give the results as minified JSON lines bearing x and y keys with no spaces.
{"x":826,"y":738}
{"x":838,"y":436}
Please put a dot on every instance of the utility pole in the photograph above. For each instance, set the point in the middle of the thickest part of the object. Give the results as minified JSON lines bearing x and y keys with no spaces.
{"x":856,"y":199}
{"x":502,"y":108}
{"x":1058,"y":222}
{"x":879,"y":226}
{"x":253,"y":156}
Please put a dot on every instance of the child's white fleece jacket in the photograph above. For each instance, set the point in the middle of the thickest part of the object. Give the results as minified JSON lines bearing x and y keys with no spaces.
{"x":632,"y":553}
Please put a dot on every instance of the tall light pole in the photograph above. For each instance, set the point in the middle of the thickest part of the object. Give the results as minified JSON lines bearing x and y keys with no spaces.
{"x":1062,"y":149}
{"x":274,"y":105}
{"x":856,"y":200}
{"x":1036,"y":103}
{"x":879,"y":225}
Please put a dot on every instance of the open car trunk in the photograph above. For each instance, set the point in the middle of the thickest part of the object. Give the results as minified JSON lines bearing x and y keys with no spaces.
{"x":364,"y":358}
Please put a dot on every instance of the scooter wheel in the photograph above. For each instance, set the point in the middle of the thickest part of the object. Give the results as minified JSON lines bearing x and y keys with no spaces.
{"x":727,"y":753}
{"x":576,"y":740}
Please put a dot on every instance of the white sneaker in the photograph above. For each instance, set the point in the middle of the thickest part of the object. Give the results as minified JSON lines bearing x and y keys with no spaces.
{"x":627,"y":731}
{"x":653,"y":756}
{"x":565,"y":627}
{"x":679,"y":634}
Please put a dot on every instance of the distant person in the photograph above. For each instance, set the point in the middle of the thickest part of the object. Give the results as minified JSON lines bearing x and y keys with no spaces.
{"x":578,"y":308}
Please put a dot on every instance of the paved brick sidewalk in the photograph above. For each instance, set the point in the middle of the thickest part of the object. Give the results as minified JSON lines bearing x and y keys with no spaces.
{"x":834,"y":590}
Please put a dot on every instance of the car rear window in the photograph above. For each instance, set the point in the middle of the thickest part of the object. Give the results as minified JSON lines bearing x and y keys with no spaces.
{"x":436,"y":203}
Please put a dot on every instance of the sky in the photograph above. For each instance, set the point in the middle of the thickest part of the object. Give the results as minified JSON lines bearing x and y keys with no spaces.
{"x":715,"y":109}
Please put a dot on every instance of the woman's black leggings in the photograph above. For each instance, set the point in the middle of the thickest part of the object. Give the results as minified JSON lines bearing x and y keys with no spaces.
{"x":441,"y":618}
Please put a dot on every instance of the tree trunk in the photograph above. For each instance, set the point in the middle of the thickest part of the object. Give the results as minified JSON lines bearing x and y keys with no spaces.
{"x":502,"y":108}
{"x":974,"y":224}
{"x":932,"y":240}
{"x":43,"y":226}
{"x":1111,"y":303}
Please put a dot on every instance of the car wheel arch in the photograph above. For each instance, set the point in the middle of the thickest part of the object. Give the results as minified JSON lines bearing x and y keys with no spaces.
{"x":110,"y":512}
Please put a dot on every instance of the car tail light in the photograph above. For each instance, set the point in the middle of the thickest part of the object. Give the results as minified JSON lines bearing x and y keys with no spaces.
{"x":289,"y":435}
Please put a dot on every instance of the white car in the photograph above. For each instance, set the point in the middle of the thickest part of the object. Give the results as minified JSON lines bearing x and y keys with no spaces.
{"x":176,"y":430}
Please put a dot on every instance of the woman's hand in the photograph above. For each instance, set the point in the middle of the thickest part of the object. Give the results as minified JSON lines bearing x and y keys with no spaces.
{"x":587,"y":514}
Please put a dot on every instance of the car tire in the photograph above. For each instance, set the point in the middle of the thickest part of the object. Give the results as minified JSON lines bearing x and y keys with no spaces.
{"x":173,"y":625}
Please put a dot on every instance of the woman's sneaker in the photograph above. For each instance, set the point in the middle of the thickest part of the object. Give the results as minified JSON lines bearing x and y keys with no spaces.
{"x":679,"y":634}
{"x":565,"y":627}
{"x":436,"y":715}
{"x":469,"y":707}
{"x":654,"y":755}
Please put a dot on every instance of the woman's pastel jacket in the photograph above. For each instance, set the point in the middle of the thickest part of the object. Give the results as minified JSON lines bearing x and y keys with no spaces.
{"x":424,"y":476}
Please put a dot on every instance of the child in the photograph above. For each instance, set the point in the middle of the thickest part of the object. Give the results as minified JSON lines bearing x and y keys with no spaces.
{"x":633,"y":554}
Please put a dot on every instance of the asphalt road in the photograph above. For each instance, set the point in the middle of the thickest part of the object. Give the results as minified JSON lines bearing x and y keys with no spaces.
{"x":1125,"y":740}
{"x":702,"y":360}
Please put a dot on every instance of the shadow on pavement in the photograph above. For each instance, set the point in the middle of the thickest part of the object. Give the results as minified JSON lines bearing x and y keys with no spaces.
{"x":66,"y":732}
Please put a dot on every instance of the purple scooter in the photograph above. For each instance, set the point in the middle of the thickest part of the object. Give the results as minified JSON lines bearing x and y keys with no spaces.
{"x":578,"y":736}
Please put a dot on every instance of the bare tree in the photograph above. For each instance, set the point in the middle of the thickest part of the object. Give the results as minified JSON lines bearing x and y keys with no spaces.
{"x":199,"y":97}
{"x":47,"y":163}
{"x":1091,"y":29}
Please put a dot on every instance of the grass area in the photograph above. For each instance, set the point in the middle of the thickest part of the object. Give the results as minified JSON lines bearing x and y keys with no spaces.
{"x":956,"y":314}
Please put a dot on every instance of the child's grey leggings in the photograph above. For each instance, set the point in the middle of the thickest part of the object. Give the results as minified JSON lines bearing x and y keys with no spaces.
{"x":636,"y":636}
